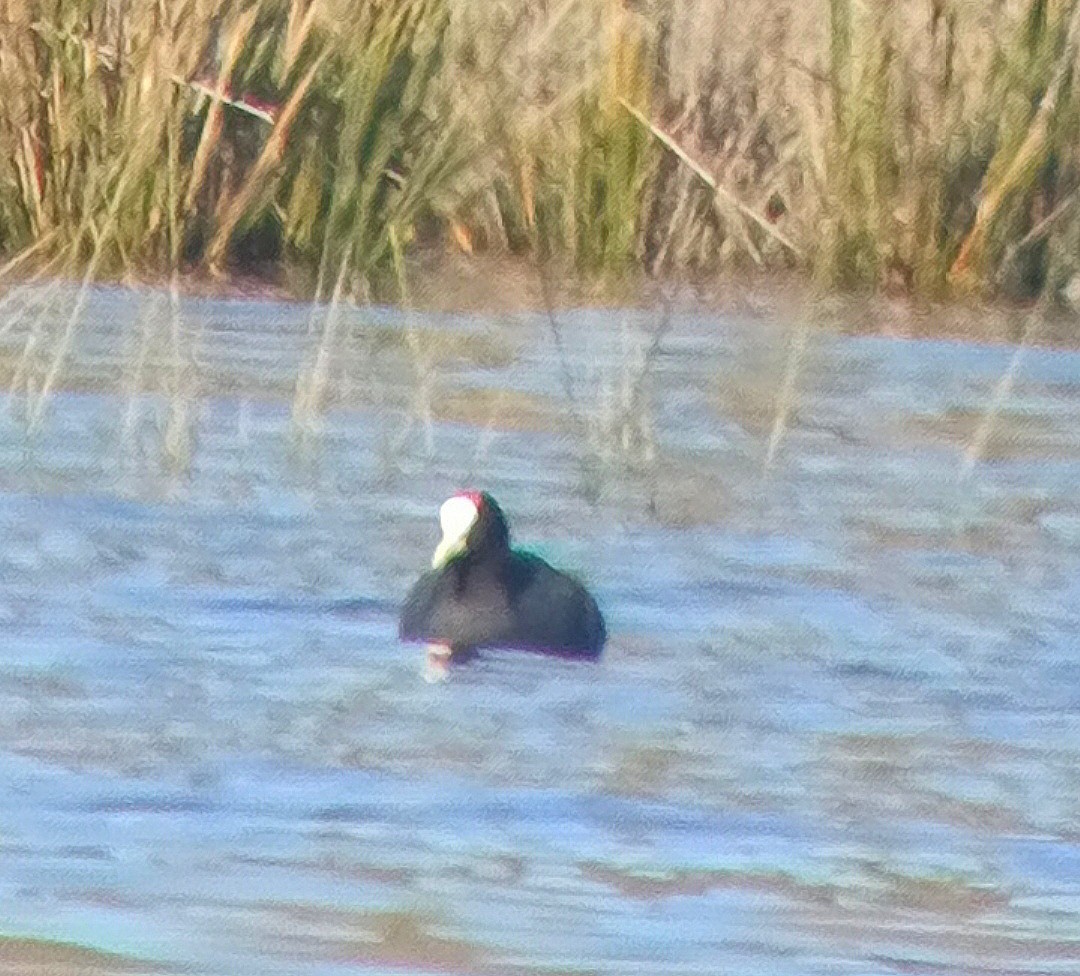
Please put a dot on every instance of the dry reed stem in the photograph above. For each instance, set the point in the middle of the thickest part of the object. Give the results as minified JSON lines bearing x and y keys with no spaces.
{"x":786,"y":398}
{"x":1002,"y":390}
{"x":1022,"y":169}
{"x":311,"y":385}
{"x":233,"y":210}
{"x":703,"y":174}
{"x":212,"y":126}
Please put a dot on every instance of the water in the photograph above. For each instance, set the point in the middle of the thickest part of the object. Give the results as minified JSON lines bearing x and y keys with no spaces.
{"x":836,"y":730}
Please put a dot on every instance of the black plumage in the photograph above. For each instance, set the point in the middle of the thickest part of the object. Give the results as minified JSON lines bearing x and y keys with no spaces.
{"x":486,"y":594}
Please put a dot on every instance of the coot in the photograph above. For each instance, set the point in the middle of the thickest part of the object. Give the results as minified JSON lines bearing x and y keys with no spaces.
{"x":481,"y":593}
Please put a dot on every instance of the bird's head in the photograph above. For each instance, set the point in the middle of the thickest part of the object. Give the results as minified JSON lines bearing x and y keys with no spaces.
{"x":472,"y":525}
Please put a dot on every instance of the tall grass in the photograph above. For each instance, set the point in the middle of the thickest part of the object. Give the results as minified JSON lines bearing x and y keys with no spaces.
{"x":141,"y":137}
{"x":923,"y":145}
{"x":952,"y":134}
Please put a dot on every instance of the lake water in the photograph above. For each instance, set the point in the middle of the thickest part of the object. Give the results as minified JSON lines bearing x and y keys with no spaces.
{"x":836,"y":729}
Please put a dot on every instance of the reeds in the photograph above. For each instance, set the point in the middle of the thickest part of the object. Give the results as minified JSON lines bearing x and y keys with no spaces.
{"x":923,"y":145}
{"x":139,"y":138}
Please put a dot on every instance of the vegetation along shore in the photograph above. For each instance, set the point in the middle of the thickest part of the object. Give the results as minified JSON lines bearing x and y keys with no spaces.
{"x":926,"y":148}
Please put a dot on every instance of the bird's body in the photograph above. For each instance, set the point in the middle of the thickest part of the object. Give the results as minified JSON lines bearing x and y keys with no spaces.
{"x":481,"y":593}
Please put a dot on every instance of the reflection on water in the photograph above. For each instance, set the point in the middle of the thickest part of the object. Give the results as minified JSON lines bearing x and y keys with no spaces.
{"x":837,"y":729}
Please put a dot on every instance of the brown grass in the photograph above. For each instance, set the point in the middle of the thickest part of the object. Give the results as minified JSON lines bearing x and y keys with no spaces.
{"x":925,"y":146}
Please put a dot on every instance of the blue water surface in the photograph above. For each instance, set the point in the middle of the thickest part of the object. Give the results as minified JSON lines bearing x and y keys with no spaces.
{"x":836,"y":730}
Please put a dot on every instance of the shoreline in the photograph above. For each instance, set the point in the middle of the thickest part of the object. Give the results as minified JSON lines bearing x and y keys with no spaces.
{"x":25,"y":955}
{"x":494,"y":285}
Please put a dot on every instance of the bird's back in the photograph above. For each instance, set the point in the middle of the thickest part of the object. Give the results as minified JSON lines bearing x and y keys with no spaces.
{"x":552,"y":610}
{"x":528,"y":605}
{"x":463,"y":613}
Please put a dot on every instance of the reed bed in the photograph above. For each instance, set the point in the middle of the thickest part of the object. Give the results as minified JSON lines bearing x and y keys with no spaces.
{"x":925,"y":146}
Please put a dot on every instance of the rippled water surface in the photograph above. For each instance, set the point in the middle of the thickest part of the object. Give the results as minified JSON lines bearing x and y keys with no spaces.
{"x":836,"y":730}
